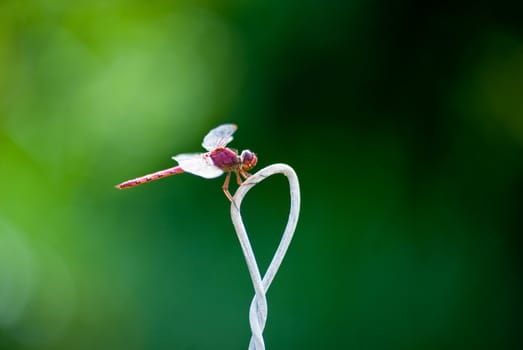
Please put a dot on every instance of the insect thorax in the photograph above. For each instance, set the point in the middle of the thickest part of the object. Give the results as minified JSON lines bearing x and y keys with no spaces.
{"x":225,"y":159}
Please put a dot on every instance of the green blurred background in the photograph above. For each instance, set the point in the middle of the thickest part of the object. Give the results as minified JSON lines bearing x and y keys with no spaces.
{"x":404,"y":122}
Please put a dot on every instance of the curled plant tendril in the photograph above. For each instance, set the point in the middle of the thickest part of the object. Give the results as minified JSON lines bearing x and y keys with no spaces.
{"x":258,"y":309}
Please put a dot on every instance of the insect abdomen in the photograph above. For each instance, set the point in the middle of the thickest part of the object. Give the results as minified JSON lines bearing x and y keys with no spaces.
{"x":150,"y":177}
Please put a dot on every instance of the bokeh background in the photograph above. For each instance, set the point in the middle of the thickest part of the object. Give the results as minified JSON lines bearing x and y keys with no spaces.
{"x":403,"y":120}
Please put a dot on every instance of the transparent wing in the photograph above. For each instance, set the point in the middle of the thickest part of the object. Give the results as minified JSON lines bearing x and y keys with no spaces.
{"x":219,"y":136}
{"x":198,"y":164}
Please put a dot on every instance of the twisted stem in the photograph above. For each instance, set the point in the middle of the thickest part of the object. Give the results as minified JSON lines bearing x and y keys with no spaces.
{"x":258,"y":309}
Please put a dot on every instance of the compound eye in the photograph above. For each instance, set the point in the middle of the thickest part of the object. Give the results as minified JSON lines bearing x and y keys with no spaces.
{"x":249,"y":159}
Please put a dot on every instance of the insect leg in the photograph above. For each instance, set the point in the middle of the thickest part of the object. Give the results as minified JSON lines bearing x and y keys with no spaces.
{"x":225,"y":186}
{"x":244,"y":174}
{"x":238,"y":178}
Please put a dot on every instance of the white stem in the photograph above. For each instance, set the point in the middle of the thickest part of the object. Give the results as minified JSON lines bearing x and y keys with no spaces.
{"x":258,"y":309}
